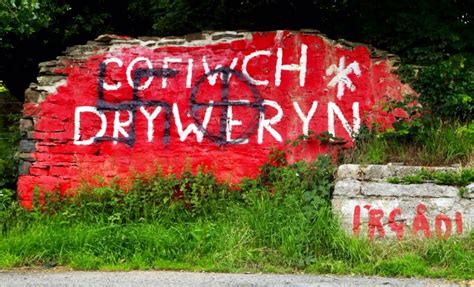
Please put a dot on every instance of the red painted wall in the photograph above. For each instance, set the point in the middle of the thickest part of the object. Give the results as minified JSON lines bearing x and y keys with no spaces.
{"x":127,"y":108}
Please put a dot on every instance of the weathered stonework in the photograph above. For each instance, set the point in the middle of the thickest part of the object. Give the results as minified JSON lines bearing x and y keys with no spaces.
{"x":218,"y":100}
{"x":370,"y":206}
{"x":469,"y":193}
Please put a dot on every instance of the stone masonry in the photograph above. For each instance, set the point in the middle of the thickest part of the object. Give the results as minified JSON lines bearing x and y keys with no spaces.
{"x":219,"y":101}
{"x":371,"y":206}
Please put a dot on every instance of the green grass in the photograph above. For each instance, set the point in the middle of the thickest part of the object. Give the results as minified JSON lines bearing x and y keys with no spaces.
{"x":440,"y":144}
{"x":232,"y":244}
{"x":461,"y":177}
{"x":240,"y":241}
{"x":281,"y":222}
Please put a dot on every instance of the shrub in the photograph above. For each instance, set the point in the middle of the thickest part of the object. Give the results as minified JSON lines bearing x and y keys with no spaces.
{"x":446,"y":88}
{"x":9,"y":140}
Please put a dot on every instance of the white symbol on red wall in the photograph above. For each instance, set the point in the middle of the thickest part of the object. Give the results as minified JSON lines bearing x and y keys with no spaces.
{"x":341,"y":78}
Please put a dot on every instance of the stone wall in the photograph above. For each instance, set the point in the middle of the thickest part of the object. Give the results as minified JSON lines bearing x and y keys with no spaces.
{"x":220,"y":101}
{"x":371,"y":206}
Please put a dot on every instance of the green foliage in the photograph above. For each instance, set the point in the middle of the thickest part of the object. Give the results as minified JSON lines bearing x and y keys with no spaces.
{"x":313,"y":181}
{"x":408,"y":265}
{"x":9,"y":139}
{"x":420,"y":32}
{"x":190,"y":197}
{"x":409,"y":125}
{"x":57,"y":25}
{"x":8,"y":207}
{"x":446,"y":88}
{"x":21,"y":22}
{"x":279,"y":213}
{"x":417,"y":137}
{"x":3,"y":89}
{"x":269,"y":224}
{"x":9,"y":142}
{"x":436,"y":144}
{"x":149,"y":199}
{"x":23,"y":17}
{"x":461,"y":177}
{"x":6,"y":198}
{"x":425,"y":258}
{"x":280,"y":221}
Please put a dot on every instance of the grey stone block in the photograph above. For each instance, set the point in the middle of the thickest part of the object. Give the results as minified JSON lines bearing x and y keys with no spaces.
{"x":347,"y":188}
{"x":24,"y":167}
{"x":27,"y":146}
{"x":26,"y":156}
{"x":226,"y":35}
{"x":384,"y":189}
{"x":348,"y":171}
{"x":375,"y":172}
{"x":26,"y":124}
{"x":32,"y":95}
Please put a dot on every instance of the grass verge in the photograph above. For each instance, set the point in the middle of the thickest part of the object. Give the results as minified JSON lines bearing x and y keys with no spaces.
{"x":280,"y":222}
{"x":231,"y":246}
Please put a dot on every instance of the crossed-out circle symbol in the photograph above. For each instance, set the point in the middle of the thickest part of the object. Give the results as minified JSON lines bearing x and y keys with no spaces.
{"x":257,"y":104}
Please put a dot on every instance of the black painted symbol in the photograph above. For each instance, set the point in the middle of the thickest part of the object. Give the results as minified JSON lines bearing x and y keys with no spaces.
{"x":133,"y":105}
{"x":219,"y":138}
{"x":257,"y":104}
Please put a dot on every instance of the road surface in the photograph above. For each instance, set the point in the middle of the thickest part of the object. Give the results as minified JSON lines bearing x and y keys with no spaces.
{"x":31,"y":278}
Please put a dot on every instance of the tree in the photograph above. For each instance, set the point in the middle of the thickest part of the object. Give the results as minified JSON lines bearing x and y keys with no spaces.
{"x":22,"y":18}
{"x":421,"y":32}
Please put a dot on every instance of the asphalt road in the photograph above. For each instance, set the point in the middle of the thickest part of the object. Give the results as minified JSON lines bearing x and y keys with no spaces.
{"x":168,"y":278}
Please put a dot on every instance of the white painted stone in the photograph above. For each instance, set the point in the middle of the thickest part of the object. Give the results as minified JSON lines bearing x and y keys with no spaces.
{"x":469,"y":193}
{"x":434,"y":207}
{"x":364,"y":188}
